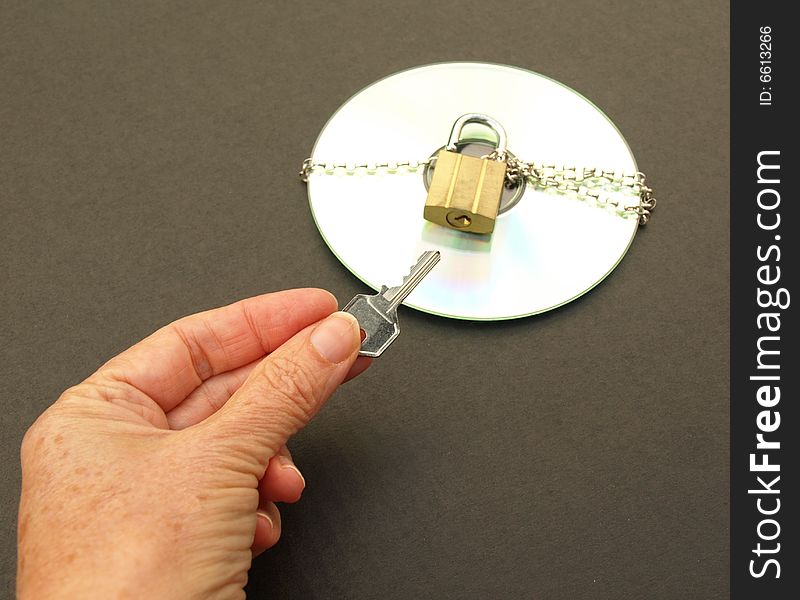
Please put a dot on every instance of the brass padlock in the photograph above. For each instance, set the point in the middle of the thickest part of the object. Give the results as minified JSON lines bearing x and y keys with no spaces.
{"x":465,"y":191}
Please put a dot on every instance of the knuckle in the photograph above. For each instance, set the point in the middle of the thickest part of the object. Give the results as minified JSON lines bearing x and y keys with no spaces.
{"x":54,"y":423}
{"x":31,"y":439}
{"x":43,"y":429}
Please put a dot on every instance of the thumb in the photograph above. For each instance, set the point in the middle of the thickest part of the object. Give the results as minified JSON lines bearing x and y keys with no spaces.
{"x":286,"y":390}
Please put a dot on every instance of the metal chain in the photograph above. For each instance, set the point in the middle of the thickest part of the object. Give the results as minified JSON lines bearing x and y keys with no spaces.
{"x":594,"y":184}
{"x":603,"y":187}
{"x":410,"y":166}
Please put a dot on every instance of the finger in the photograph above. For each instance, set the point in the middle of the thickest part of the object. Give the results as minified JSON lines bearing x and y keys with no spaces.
{"x":209,"y":397}
{"x":285,"y":391}
{"x":282,"y":481}
{"x":177,"y":358}
{"x":268,"y":529}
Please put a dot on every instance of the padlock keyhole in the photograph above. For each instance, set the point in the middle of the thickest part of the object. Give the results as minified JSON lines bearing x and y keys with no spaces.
{"x":459,"y":220}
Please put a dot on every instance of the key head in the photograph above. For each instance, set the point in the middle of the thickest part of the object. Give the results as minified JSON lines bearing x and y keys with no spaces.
{"x":380,"y":326}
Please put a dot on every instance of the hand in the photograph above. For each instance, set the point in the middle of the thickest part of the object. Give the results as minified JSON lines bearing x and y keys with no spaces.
{"x":157,"y":476}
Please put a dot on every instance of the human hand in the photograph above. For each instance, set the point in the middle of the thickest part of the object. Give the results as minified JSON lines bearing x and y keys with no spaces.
{"x":157,"y":476}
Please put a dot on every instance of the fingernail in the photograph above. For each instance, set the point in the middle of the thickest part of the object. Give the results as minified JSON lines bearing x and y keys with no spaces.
{"x":336,"y":337}
{"x":286,"y":463}
{"x":265,"y":516}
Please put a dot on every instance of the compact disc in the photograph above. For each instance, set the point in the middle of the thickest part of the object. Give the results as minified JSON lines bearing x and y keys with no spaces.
{"x":546,"y":249}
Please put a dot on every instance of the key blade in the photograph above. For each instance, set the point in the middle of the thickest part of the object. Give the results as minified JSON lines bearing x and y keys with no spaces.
{"x":395,"y":296}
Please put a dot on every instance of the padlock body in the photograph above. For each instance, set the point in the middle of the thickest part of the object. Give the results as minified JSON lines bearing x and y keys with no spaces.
{"x":465,"y":192}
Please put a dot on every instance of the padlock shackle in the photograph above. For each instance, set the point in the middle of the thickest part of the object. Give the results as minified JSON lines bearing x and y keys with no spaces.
{"x":463,"y":120}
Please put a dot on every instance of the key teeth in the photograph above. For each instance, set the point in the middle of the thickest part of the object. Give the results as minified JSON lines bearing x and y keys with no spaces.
{"x":414,"y":267}
{"x":405,"y":279}
{"x":411,"y":270}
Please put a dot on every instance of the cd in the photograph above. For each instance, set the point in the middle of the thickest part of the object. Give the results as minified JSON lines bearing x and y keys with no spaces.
{"x":546,"y":249}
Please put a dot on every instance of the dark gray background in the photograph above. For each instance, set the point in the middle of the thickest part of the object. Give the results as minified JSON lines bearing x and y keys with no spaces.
{"x":147,"y":170}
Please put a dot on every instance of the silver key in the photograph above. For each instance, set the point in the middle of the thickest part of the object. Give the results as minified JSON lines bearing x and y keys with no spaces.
{"x":377,"y":314}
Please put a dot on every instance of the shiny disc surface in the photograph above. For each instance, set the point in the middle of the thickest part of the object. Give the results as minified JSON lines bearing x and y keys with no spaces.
{"x":545,"y":251}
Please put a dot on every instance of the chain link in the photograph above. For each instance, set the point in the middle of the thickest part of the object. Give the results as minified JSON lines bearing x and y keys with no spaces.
{"x":603,"y":187}
{"x":410,"y":166}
